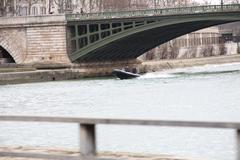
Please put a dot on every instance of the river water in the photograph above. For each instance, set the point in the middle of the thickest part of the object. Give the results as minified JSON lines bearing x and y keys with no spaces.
{"x":200,"y":93}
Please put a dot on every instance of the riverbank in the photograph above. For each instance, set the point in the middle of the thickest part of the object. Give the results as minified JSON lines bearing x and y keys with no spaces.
{"x":20,"y":153}
{"x":44,"y":73}
{"x":152,"y":66}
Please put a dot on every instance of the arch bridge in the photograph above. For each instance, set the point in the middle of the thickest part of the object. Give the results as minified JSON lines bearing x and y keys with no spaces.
{"x":114,"y":36}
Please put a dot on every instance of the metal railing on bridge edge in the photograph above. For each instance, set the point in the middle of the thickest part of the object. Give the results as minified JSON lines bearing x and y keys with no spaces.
{"x":88,"y":132}
{"x":154,"y":12}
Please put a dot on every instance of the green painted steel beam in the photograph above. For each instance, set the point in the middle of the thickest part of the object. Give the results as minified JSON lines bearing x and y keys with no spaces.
{"x":130,"y":40}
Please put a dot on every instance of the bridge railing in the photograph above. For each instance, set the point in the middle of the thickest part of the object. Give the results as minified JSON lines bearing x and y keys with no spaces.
{"x":154,"y":12}
{"x":88,"y":132}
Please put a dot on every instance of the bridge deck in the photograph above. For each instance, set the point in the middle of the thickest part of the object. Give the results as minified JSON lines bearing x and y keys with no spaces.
{"x":154,"y":12}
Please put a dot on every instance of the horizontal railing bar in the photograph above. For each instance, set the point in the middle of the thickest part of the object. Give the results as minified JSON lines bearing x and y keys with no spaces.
{"x":48,"y":156}
{"x":38,"y":156}
{"x":95,"y":121}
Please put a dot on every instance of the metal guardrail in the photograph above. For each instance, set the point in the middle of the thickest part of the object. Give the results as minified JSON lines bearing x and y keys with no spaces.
{"x":154,"y":12}
{"x":88,"y":133}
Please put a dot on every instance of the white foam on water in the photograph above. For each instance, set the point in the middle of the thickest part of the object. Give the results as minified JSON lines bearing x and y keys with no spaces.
{"x":228,"y":67}
{"x":163,"y":74}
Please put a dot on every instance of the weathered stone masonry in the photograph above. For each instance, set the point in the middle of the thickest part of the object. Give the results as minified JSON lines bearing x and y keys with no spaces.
{"x":14,"y":41}
{"x":39,"y":39}
{"x":46,"y":44}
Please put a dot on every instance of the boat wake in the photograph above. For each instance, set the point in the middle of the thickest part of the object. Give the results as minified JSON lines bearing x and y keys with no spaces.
{"x":195,"y":71}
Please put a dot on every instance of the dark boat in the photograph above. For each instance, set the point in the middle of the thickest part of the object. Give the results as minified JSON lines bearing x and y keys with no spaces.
{"x":121,"y":74}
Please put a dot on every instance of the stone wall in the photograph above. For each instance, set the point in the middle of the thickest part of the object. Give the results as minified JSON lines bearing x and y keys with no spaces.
{"x":46,"y":44}
{"x":171,"y":50}
{"x":14,"y":41}
{"x":38,"y":39}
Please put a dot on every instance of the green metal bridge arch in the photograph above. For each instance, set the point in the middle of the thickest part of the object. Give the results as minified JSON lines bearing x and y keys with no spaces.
{"x":118,"y":36}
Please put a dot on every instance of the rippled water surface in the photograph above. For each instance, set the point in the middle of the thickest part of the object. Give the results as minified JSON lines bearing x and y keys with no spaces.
{"x":200,"y":93}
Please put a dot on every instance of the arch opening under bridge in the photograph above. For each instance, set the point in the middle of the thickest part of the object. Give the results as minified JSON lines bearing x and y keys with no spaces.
{"x":5,"y":56}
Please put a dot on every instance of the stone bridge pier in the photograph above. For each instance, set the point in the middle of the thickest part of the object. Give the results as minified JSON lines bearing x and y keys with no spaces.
{"x":36,"y":39}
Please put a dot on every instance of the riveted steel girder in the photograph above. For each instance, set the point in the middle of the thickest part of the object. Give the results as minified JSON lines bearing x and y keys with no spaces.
{"x":128,"y":38}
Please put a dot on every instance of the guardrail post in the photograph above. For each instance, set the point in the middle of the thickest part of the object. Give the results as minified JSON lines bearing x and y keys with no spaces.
{"x":238,"y":144}
{"x":87,"y":140}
